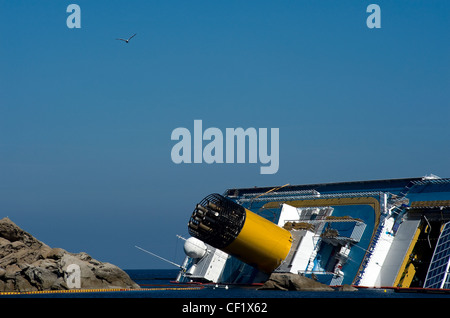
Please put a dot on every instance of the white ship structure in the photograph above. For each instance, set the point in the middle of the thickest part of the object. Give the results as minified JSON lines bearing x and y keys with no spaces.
{"x":381,"y":233}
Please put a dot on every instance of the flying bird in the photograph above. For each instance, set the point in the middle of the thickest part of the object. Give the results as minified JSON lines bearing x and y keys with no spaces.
{"x":127,"y":40}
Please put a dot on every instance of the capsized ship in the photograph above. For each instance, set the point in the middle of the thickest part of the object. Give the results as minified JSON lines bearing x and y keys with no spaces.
{"x":381,"y":233}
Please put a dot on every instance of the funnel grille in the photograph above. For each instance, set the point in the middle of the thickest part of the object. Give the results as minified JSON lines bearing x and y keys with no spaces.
{"x":216,"y":220}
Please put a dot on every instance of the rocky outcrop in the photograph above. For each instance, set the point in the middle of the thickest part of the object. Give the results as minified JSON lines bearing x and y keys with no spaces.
{"x":347,"y":288}
{"x":289,"y":281}
{"x":27,"y":264}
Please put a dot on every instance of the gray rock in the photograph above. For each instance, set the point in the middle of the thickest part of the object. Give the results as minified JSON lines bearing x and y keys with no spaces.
{"x":347,"y":288}
{"x":289,"y":281}
{"x":27,"y":264}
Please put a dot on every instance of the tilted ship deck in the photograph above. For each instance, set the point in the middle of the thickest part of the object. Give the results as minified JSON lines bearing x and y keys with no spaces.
{"x":390,"y":233}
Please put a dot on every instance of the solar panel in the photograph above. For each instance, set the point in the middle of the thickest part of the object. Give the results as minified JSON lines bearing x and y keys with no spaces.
{"x":438,"y":272}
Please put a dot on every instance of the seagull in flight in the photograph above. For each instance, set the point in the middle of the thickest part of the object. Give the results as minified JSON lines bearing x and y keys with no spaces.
{"x":127,"y":40}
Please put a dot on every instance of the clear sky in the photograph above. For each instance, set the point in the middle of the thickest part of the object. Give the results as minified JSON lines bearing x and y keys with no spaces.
{"x":86,"y":120}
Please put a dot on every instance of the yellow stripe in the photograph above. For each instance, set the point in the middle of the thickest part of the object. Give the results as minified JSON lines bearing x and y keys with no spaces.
{"x":403,"y":271}
{"x":95,"y":290}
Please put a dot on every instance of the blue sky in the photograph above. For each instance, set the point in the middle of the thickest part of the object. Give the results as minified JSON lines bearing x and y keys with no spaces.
{"x":86,"y":120}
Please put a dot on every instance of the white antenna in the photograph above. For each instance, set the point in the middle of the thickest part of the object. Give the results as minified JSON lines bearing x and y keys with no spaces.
{"x":160,"y":257}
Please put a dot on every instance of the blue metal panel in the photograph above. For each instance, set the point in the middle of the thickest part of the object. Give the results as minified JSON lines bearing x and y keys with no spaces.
{"x":437,"y":275}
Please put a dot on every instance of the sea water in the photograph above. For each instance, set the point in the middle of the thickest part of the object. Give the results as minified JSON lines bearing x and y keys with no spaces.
{"x":160,"y":283}
{"x":160,"y":294}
